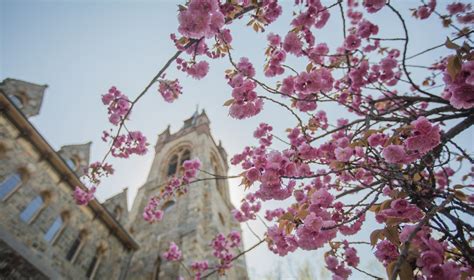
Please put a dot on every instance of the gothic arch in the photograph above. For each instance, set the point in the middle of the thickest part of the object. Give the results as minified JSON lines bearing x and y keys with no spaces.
{"x":174,"y":159}
{"x":118,"y":211}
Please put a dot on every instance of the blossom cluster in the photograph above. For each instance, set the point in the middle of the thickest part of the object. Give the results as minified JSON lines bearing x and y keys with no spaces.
{"x":201,"y":18}
{"x":222,"y":248}
{"x":424,"y":137}
{"x":245,"y":103}
{"x":125,"y":145}
{"x":118,"y":105}
{"x":198,"y":268}
{"x":460,"y":89}
{"x":173,"y":253}
{"x":95,"y":171}
{"x":248,"y":208}
{"x":170,"y":90}
{"x":83,"y":197}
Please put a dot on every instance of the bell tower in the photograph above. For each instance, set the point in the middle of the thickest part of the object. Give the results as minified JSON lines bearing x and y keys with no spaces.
{"x":192,"y":220}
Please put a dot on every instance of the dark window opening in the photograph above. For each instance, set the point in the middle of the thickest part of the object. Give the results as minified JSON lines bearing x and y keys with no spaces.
{"x":185,"y":156}
{"x":173,"y":165}
{"x":92,"y":267}
{"x":157,"y":269}
{"x":168,"y":205}
{"x":72,"y":251}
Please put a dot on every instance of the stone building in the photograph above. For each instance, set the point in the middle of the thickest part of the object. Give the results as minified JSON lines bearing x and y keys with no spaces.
{"x":45,"y":235}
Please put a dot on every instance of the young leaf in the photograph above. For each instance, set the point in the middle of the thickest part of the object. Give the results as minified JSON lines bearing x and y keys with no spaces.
{"x":228,"y":102}
{"x":454,"y":66}
{"x":450,"y":45}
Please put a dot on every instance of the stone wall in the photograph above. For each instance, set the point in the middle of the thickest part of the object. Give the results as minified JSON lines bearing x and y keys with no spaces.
{"x":27,"y":238}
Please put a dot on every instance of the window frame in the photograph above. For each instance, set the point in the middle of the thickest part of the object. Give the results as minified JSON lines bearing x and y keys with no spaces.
{"x":177,"y":158}
{"x":168,"y":205}
{"x":58,"y":232}
{"x":14,"y":188}
{"x":32,"y":217}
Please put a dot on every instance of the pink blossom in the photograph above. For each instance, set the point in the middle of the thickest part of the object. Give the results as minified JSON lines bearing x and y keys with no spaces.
{"x":246,"y":103}
{"x":386,"y":252}
{"x":424,"y":137}
{"x":202,"y":18}
{"x":460,"y":90}
{"x":274,"y":39}
{"x":271,"y":10}
{"x":83,"y":197}
{"x":280,"y":242}
{"x":343,"y":154}
{"x":152,"y":213}
{"x":340,"y":272}
{"x":352,"y":42}
{"x":198,"y":70}
{"x":222,"y":246}
{"x":292,"y":44}
{"x":395,"y":154}
{"x":366,"y":29}
{"x":252,"y":174}
{"x":456,"y":8}
{"x":95,"y":171}
{"x":271,"y":214}
{"x":132,"y":143}
{"x":173,"y":253}
{"x":248,"y":209}
{"x":448,"y":270}
{"x":191,"y":168}
{"x":402,"y":210}
{"x":429,"y":258}
{"x":377,"y":139}
{"x":246,"y":67}
{"x":118,"y":105}
{"x":351,"y":256}
{"x":373,"y":6}
{"x":199,"y":267}
{"x":170,"y":90}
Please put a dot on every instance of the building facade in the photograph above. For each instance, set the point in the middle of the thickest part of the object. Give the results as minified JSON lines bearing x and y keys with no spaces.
{"x":45,"y":235}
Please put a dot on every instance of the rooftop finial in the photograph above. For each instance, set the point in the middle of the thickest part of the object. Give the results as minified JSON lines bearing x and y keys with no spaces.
{"x":195,"y":115}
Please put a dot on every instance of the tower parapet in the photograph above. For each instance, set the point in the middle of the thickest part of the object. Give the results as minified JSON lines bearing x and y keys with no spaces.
{"x":192,"y":220}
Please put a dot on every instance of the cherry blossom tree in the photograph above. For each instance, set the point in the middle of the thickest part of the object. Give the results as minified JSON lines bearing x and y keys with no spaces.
{"x":395,"y":159}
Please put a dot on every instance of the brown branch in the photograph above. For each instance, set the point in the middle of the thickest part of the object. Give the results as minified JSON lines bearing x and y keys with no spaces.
{"x":406,"y":245}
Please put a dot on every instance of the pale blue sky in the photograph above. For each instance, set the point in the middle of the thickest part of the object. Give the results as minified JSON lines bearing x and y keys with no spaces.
{"x":81,"y":48}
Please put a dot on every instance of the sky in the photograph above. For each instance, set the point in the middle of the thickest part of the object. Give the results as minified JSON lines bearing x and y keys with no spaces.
{"x":81,"y":48}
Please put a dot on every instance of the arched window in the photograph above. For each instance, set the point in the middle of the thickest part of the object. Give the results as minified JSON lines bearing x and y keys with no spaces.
{"x":17,"y":100}
{"x":117,"y":212}
{"x":9,"y":185}
{"x":156,"y":273}
{"x":176,"y":162}
{"x":186,"y":155}
{"x":76,"y":247}
{"x":172,"y":166}
{"x":56,"y":228}
{"x":168,"y":205}
{"x":33,"y":209}
{"x":72,"y":163}
{"x":95,"y":262}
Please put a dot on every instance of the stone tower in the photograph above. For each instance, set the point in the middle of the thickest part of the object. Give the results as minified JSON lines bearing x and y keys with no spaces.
{"x":192,"y":220}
